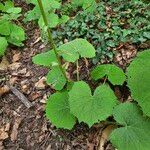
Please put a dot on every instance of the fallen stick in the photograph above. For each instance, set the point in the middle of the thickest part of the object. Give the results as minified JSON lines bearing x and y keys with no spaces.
{"x":23,"y":99}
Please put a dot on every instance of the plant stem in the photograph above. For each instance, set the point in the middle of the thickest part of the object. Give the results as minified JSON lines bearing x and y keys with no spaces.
{"x":50,"y":38}
{"x":77,"y":64}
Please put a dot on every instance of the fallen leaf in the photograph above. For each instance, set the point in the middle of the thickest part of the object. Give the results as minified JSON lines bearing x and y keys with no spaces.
{"x":3,"y":134}
{"x":104,"y":136}
{"x":7,"y":127}
{"x":23,"y":71}
{"x":40,"y":85}
{"x":35,"y":95}
{"x":4,"y":64}
{"x":1,"y":145}
{"x":90,"y":146}
{"x":16,"y":57}
{"x":43,"y":100}
{"x":14,"y":132}
{"x":14,"y":66}
{"x":12,"y":80}
{"x":3,"y":90}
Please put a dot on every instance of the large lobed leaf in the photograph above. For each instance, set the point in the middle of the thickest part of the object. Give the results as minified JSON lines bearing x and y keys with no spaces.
{"x":57,"y":110}
{"x":91,"y":108}
{"x":135,"y":133}
{"x":71,"y":51}
{"x":115,"y":75}
{"x":139,"y":80}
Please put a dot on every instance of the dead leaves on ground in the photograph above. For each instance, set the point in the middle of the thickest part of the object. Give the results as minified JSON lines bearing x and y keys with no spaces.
{"x":3,"y":90}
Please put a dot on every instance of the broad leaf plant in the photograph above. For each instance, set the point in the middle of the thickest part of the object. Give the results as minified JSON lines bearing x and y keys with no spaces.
{"x":79,"y":102}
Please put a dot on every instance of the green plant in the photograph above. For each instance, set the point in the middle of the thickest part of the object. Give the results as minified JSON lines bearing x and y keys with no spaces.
{"x":75,"y":100}
{"x":53,"y":19}
{"x":138,"y":79}
{"x":113,"y":22}
{"x":9,"y":31}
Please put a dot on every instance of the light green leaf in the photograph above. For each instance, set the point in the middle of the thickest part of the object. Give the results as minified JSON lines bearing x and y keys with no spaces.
{"x":48,"y":5}
{"x":45,"y":59}
{"x":53,"y":21}
{"x":15,"y":10}
{"x":139,"y":80}
{"x":58,"y":112}
{"x":115,"y":75}
{"x":32,"y":15}
{"x":78,"y":47}
{"x":63,"y":19}
{"x":135,"y":133}
{"x":4,"y":27}
{"x":17,"y":35}
{"x":7,"y":5}
{"x":56,"y":79}
{"x":3,"y":45}
{"x":91,"y":109}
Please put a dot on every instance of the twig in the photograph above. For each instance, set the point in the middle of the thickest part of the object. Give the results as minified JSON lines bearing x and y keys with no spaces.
{"x":23,"y":99}
{"x":77,"y":65}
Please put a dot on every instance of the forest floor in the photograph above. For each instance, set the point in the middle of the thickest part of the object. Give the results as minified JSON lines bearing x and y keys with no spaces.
{"x":23,"y":128}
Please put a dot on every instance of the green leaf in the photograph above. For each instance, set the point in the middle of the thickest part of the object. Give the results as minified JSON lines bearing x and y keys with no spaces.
{"x":115,"y":75}
{"x":3,"y":45}
{"x":7,"y":5}
{"x":63,"y":19}
{"x":15,"y":10}
{"x":45,"y":59}
{"x":32,"y":15}
{"x":135,"y":133}
{"x":78,"y":47}
{"x":139,"y":80}
{"x":4,"y":27}
{"x":56,"y":79}
{"x":48,"y":5}
{"x":53,"y":21}
{"x":88,"y":5}
{"x":91,"y":109}
{"x":17,"y":35}
{"x":58,"y":112}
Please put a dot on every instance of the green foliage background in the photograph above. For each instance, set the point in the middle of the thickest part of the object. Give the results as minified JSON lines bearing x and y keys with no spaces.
{"x":111,"y":23}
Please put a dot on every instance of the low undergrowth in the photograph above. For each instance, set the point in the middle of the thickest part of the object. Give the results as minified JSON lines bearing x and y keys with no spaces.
{"x":108,"y":25}
{"x":10,"y":32}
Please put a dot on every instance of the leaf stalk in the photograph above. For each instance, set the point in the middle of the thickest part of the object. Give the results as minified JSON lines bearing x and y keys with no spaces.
{"x":50,"y":38}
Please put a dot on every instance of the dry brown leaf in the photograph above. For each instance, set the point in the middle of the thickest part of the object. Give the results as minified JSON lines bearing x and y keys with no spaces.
{"x":4,"y":64}
{"x":14,"y":66}
{"x":16,"y":57}
{"x":14,"y":132}
{"x":104,"y":136}
{"x":7,"y":127}
{"x":12,"y":80}
{"x":40,"y":85}
{"x":3,"y":134}
{"x":1,"y":145}
{"x":3,"y":90}
{"x":90,"y":146}
{"x":23,"y":71}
